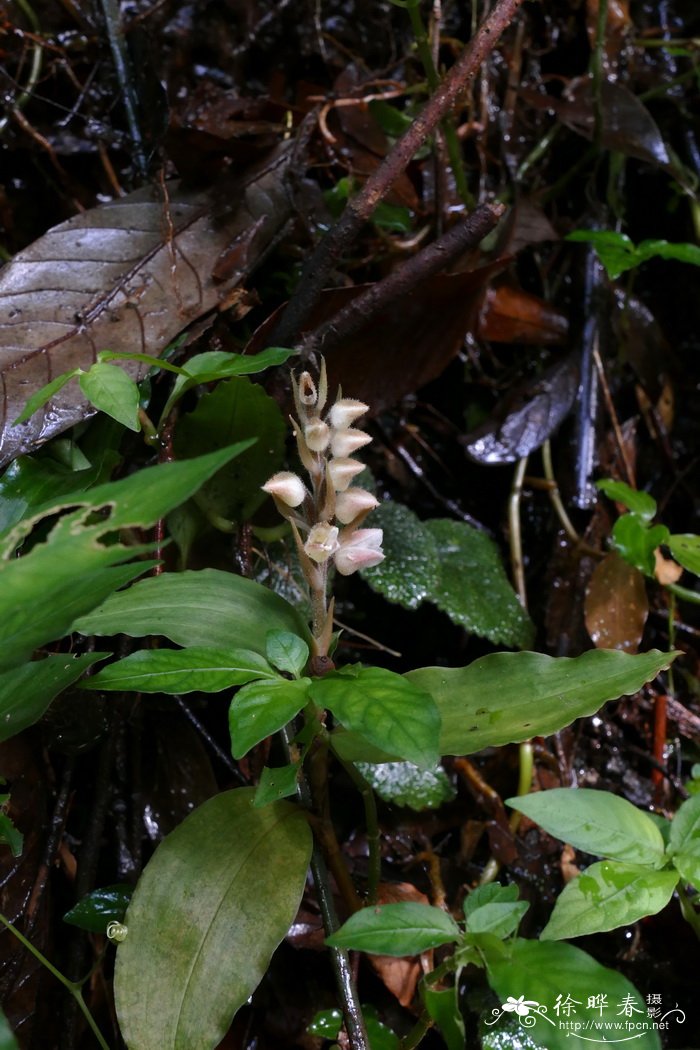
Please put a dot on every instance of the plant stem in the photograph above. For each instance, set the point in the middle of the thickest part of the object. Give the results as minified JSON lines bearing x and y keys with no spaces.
{"x":72,"y":986}
{"x":691,"y":916}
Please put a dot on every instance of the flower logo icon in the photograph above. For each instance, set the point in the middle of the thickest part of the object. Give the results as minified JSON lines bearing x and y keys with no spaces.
{"x":520,"y":1006}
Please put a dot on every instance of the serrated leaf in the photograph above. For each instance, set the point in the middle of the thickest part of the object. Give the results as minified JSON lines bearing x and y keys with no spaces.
{"x":215,"y":900}
{"x":27,"y":691}
{"x":607,"y":895}
{"x":188,"y":670}
{"x":110,"y":390}
{"x":276,"y":783}
{"x":596,"y":822}
{"x":258,"y":710}
{"x":508,"y":697}
{"x":473,"y":588}
{"x":685,"y":548}
{"x":411,"y":566}
{"x":640,"y":503}
{"x":396,"y":929}
{"x":96,"y":910}
{"x":404,"y":784}
{"x":287,"y":652}
{"x":386,"y":709}
{"x":203,"y":608}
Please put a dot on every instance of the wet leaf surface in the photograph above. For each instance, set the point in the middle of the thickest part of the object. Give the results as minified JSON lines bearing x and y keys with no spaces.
{"x":616,"y":606}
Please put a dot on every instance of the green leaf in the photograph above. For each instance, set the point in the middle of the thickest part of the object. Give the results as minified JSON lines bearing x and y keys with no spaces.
{"x":236,"y":410}
{"x":392,"y":217}
{"x":27,"y":691}
{"x":685,"y":548}
{"x":379,"y":1035}
{"x":110,"y":390}
{"x":212,"y":905}
{"x":206,"y":608}
{"x":616,"y":251}
{"x":7,"y":1039}
{"x":154,"y":363}
{"x":541,"y":971}
{"x":491,"y":893}
{"x":217,"y":364}
{"x":404,"y":784}
{"x":501,"y":918}
{"x":411,"y":567}
{"x":396,"y":929}
{"x":9,"y":834}
{"x":504,"y":698}
{"x":596,"y":822}
{"x":386,"y":709}
{"x":607,"y":895}
{"x":96,"y":910}
{"x":326,"y":1024}
{"x":37,"y":400}
{"x":683,"y":252}
{"x":258,"y":710}
{"x":473,"y":588}
{"x":194,"y":669}
{"x":684,"y":840}
{"x":636,"y":542}
{"x":287,"y":652}
{"x":640,"y":503}
{"x":443,"y":1007}
{"x":277,"y":783}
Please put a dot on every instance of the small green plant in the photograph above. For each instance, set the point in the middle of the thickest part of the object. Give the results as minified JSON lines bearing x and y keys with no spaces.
{"x":618,"y":253}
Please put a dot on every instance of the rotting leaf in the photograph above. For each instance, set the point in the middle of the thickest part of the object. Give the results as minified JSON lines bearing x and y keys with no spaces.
{"x":510,"y":315}
{"x":112,"y":279}
{"x":616,"y":606}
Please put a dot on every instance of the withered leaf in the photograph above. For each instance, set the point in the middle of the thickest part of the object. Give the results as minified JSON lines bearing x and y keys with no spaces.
{"x":616,"y":606}
{"x":126,"y":276}
{"x":510,"y":315}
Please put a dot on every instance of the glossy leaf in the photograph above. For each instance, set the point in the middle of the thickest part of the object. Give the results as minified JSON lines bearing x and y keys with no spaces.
{"x":385,"y":708}
{"x":640,"y":503}
{"x":326,"y":1024}
{"x":686,"y":550}
{"x":44,"y":395}
{"x":596,"y":822}
{"x":27,"y":691}
{"x":258,"y":710}
{"x":443,"y":1007}
{"x":636,"y":542}
{"x":216,"y":364}
{"x":618,"y":253}
{"x":616,"y":605}
{"x":508,"y":697}
{"x":607,"y":895}
{"x":96,"y":910}
{"x":280,"y":782}
{"x":215,"y":900}
{"x":195,"y":669}
{"x":287,"y":652}
{"x":110,"y":390}
{"x":411,"y":567}
{"x":208,"y":608}
{"x":404,"y":784}
{"x":545,"y":973}
{"x":396,"y":929}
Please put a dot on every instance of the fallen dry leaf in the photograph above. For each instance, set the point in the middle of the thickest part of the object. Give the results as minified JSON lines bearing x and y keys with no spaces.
{"x":616,"y":606}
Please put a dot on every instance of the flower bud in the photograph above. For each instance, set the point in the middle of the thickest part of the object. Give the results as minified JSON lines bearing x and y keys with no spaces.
{"x":322,"y":542}
{"x":342,"y":471}
{"x":360,"y":550}
{"x":352,"y":502}
{"x":287,"y":487}
{"x":345,"y":411}
{"x":317,"y":434}
{"x":307,"y":389}
{"x":345,"y":442}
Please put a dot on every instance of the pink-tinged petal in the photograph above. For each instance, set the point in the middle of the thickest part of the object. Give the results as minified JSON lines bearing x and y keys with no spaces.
{"x":345,"y":411}
{"x":342,"y":471}
{"x":345,"y":442}
{"x":352,"y":502}
{"x":322,"y":542}
{"x":317,"y":435}
{"x":287,"y":487}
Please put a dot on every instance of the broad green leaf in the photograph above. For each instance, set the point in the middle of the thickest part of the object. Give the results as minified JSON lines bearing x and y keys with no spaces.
{"x":385,"y":708}
{"x":45,"y":394}
{"x":636,"y":541}
{"x":473,"y":588}
{"x":684,"y":840}
{"x":500,"y":918}
{"x":411,"y":567}
{"x":490,"y":893}
{"x":195,"y":669}
{"x":596,"y":822}
{"x":235,"y":411}
{"x":217,"y":364}
{"x":640,"y":503}
{"x":96,"y":910}
{"x":7,"y":1039}
{"x":280,"y":782}
{"x":326,"y":1024}
{"x":504,"y":698}
{"x":607,"y":895}
{"x":683,"y":252}
{"x":379,"y":1035}
{"x":287,"y":652}
{"x":207,"y":608}
{"x":27,"y":691}
{"x":154,"y":363}
{"x":443,"y":1007}
{"x":396,"y":929}
{"x":110,"y":390}
{"x":258,"y":710}
{"x":618,"y":253}
{"x":686,"y":550}
{"x":549,"y":974}
{"x":211,"y":906}
{"x":404,"y":784}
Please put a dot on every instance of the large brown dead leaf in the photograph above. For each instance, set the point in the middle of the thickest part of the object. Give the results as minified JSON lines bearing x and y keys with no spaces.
{"x":127,"y":276}
{"x":616,"y":606}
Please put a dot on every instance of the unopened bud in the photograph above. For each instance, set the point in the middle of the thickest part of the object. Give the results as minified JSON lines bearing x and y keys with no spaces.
{"x":345,"y":411}
{"x":352,"y":502}
{"x":317,"y":434}
{"x":322,"y":542}
{"x":342,"y":471}
{"x":360,"y":550}
{"x":345,"y":442}
{"x":287,"y":487}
